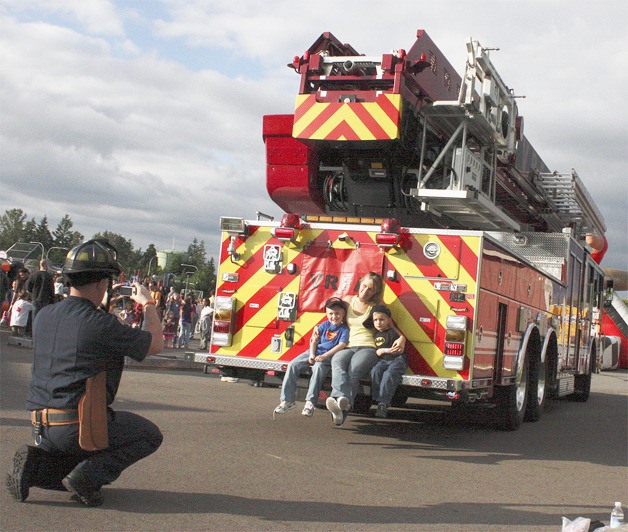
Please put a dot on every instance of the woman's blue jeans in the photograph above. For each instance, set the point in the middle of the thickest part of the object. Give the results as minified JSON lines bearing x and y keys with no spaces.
{"x":348,"y":367}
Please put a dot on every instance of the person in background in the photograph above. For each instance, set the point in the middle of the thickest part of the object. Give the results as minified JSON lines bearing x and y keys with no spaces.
{"x":18,"y":284}
{"x":127,"y":315}
{"x":42,"y":288}
{"x":155,"y":293}
{"x":387,"y":374}
{"x":20,"y":313}
{"x":327,"y":339}
{"x":59,"y":294}
{"x":173,"y":305}
{"x":205,"y":323}
{"x":169,"y":329}
{"x":185,"y":322}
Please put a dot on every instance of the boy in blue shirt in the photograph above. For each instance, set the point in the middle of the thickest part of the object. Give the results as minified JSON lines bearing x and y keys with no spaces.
{"x":327,"y":339}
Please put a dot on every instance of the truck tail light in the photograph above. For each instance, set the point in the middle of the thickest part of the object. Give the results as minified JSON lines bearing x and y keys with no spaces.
{"x":224,"y":320}
{"x":455,"y":342}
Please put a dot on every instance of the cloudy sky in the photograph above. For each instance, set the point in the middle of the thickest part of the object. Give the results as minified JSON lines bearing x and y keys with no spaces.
{"x":144,"y":117}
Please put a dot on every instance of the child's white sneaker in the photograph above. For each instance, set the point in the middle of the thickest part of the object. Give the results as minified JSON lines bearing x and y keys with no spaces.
{"x":382,"y":410}
{"x":283,"y":407}
{"x":308,"y":409}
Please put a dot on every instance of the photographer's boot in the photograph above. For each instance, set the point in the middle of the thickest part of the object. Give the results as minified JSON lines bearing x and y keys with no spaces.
{"x":82,"y":489}
{"x":23,"y":472}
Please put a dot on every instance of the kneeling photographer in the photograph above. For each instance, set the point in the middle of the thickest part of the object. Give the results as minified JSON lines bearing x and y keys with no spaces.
{"x":81,"y":443}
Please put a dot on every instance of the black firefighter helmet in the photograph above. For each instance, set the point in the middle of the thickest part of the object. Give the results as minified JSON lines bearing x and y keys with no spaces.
{"x":91,"y":261}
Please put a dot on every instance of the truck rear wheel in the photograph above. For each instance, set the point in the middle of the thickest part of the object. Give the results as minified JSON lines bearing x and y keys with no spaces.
{"x":512,"y":401}
{"x":537,"y":384}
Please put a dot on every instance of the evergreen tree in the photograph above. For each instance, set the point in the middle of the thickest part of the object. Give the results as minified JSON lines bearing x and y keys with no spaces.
{"x":42,"y":234}
{"x":11,"y":227}
{"x":30,"y":228}
{"x":64,"y":237}
{"x":196,"y":253}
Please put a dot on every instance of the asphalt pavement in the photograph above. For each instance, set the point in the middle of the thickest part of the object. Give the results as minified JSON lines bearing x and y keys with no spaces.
{"x":225,"y":464}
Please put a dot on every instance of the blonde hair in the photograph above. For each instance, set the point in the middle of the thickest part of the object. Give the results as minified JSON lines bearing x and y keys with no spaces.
{"x":378,"y":286}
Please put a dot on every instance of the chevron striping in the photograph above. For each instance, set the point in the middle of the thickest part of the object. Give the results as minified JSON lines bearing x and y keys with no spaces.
{"x":347,"y":121}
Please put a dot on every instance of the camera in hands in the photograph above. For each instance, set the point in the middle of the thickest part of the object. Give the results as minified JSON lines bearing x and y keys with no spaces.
{"x":128,"y":290}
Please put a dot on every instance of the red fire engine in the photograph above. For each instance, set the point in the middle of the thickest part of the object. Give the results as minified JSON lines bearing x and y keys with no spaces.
{"x":395,"y":164}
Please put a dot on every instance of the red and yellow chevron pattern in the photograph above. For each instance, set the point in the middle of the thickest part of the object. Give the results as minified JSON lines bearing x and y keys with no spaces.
{"x":378,"y":120}
{"x":419,"y":307}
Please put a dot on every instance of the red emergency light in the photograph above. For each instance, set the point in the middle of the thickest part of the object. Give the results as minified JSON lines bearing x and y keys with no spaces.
{"x":289,"y":228}
{"x":387,"y":240}
{"x":390,"y":235}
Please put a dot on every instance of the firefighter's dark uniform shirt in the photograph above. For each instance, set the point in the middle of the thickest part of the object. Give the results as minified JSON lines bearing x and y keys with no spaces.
{"x":73,"y":340}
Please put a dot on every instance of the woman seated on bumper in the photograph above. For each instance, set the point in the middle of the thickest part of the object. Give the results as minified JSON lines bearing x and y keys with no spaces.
{"x":356,"y":362}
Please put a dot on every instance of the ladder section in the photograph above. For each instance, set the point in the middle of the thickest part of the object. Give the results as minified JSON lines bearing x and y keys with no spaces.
{"x":481,"y":127}
{"x":572,"y":203}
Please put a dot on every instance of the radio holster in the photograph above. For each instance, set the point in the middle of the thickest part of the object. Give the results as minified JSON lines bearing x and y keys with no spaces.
{"x":92,"y":411}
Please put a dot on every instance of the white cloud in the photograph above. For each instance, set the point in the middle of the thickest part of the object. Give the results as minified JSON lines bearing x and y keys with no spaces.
{"x":146,"y":120}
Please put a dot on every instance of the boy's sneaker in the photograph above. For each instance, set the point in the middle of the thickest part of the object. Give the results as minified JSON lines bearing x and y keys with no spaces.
{"x":283,"y":407}
{"x":308,"y":409}
{"x":344,"y":404}
{"x":338,"y":415}
{"x":382,"y":410}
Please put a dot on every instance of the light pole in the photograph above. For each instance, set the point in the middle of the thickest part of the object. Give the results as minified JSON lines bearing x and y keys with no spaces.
{"x":54,"y":247}
{"x":187,"y":275}
{"x":150,"y":262}
{"x":43,"y":251}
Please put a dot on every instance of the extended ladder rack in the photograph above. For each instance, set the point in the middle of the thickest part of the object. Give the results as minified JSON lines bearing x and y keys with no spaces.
{"x":570,"y":200}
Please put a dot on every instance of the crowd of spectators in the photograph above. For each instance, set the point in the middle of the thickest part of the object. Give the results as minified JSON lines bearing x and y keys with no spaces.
{"x":23,"y":293}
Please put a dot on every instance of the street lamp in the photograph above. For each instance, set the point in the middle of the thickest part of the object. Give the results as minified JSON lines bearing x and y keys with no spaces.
{"x":187,"y":275}
{"x":43,"y":251}
{"x":150,"y":262}
{"x":54,"y":247}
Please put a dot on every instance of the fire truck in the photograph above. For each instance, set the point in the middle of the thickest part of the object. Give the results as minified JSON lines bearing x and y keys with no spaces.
{"x":395,"y":164}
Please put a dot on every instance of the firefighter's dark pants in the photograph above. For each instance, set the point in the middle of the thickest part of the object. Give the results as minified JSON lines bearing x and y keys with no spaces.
{"x":131,"y":438}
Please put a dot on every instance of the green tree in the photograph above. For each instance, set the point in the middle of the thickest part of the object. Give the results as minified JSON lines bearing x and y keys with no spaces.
{"x":196,"y":253}
{"x":30,"y":228}
{"x":205,"y":278}
{"x":148,"y":258}
{"x":176,"y":260}
{"x":11,"y":227}
{"x":64,"y":237}
{"x":42,"y":234}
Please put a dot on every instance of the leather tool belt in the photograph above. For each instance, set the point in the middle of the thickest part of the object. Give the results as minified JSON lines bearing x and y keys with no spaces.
{"x":51,"y":417}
